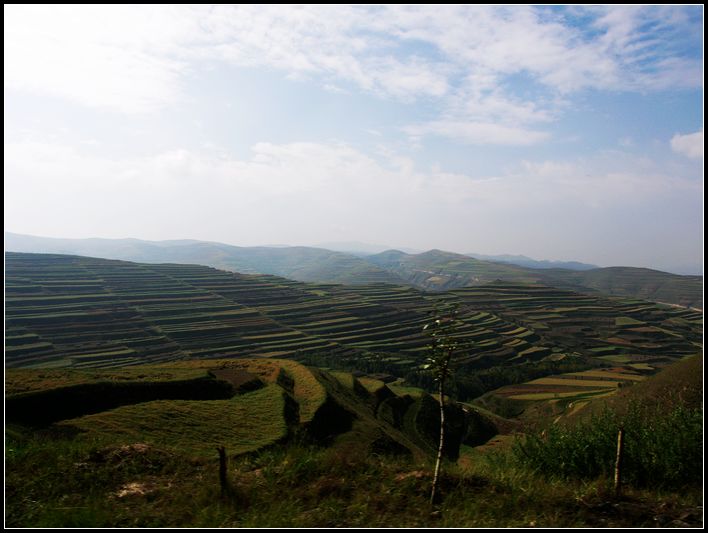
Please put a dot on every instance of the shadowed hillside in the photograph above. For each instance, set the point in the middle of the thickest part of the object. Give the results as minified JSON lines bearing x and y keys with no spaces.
{"x":276,"y":399}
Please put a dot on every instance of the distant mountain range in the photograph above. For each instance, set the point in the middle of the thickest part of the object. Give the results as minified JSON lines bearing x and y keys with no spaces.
{"x":522,"y":260}
{"x":300,"y":263}
{"x":434,"y":270}
{"x":361,"y":248}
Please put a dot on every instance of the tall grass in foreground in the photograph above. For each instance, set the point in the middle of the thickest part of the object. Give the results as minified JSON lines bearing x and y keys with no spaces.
{"x":59,"y":481}
{"x":662,"y":447}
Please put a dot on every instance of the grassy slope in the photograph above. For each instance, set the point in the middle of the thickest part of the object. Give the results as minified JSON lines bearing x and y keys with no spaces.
{"x":575,"y":397}
{"x":293,"y":396}
{"x":21,"y":380}
{"x":678,"y":383}
{"x":663,"y":433}
{"x":194,"y":428}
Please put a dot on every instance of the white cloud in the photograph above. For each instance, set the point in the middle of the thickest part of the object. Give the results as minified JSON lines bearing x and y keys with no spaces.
{"x":607,"y":209}
{"x":479,"y":132}
{"x":690,"y":145}
{"x":111,"y":57}
{"x":332,"y":42}
{"x":498,"y":106}
{"x":295,"y":192}
{"x":648,"y":45}
{"x":135,"y":58}
{"x":479,"y":112}
{"x":601,"y":182}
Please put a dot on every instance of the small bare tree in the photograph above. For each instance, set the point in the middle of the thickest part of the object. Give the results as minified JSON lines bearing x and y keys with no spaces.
{"x":443,"y":347}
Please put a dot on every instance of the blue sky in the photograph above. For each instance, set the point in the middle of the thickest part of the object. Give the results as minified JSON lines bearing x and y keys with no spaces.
{"x":566,"y":133}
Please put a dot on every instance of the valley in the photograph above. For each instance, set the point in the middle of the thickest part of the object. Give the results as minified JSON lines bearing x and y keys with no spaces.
{"x":141,"y":371}
{"x":67,"y":311}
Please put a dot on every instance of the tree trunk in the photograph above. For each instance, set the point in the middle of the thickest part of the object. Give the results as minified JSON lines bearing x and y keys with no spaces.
{"x":438,"y":461}
{"x":618,"y":462}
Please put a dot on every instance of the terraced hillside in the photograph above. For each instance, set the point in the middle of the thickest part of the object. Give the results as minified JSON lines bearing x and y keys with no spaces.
{"x":191,"y":407}
{"x":70,"y":311}
{"x":66,"y":311}
{"x":629,"y":282}
{"x":435,"y":270}
{"x":617,"y":330}
{"x":438,"y":270}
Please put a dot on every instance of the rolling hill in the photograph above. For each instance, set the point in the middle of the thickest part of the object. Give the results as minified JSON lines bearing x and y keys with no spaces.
{"x":70,"y":311}
{"x":437,"y":270}
{"x":522,"y":260}
{"x":298,"y":262}
{"x":632,"y":282}
{"x":130,"y":427}
{"x":434,"y":270}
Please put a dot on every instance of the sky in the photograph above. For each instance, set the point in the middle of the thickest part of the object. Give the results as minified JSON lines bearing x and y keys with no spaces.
{"x":560,"y":133}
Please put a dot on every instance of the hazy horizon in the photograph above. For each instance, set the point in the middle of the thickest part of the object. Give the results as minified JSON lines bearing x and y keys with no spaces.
{"x":558,"y":133}
{"x":373,"y":248}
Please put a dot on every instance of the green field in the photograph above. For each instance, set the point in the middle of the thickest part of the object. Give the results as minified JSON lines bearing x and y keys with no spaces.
{"x":242,"y":424}
{"x":570,"y":392}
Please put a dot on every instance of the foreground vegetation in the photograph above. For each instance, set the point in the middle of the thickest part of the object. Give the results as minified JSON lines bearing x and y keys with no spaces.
{"x":661,"y":448}
{"x":155,"y":464}
{"x":662,"y":422}
{"x":79,"y":485}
